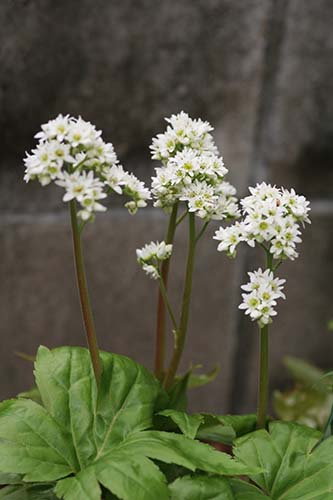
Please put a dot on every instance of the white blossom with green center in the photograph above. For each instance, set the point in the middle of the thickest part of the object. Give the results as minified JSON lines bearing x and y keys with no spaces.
{"x":72,"y":154}
{"x":262,"y":291}
{"x":191,"y":171}
{"x":272,"y":218}
{"x":151,"y":255}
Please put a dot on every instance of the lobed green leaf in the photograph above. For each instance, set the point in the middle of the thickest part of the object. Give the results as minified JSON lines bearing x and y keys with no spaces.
{"x":87,"y":439}
{"x":225,"y":428}
{"x":28,"y":492}
{"x":294,"y":468}
{"x":33,"y":444}
{"x":174,"y":448}
{"x":188,"y":424}
{"x":201,"y":488}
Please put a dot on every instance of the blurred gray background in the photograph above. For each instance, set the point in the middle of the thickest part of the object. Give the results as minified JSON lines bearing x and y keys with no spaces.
{"x":262,"y":72}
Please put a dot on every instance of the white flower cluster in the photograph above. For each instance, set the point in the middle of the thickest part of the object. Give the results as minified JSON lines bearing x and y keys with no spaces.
{"x":151,"y":255}
{"x":72,"y":153}
{"x":271,"y":217}
{"x":262,"y":292}
{"x":191,"y":170}
{"x":182,"y":132}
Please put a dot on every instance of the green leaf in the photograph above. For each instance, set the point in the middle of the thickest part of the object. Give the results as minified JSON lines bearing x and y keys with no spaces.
{"x":188,"y":424}
{"x":32,"y":443}
{"x":178,"y":393}
{"x":125,"y":474}
{"x":33,"y":394}
{"x":242,"y":424}
{"x":304,"y":372}
{"x":310,"y":401}
{"x":107,"y":495}
{"x":28,"y":492}
{"x":201,"y":379}
{"x":205,"y":426}
{"x":225,"y":428}
{"x":294,"y":467}
{"x":246,"y":491}
{"x":201,"y":488}
{"x":83,"y":439}
{"x":304,"y":406}
{"x":126,"y":398}
{"x":68,"y":391}
{"x":10,"y":478}
{"x":131,"y":476}
{"x":328,"y":429}
{"x":178,"y":449}
{"x":27,"y":357}
{"x":83,"y":486}
{"x":217,"y":433}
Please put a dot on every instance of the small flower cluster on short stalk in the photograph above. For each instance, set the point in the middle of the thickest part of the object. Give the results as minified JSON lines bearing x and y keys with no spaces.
{"x":151,"y":255}
{"x":262,"y":291}
{"x":271,"y":217}
{"x":72,"y":153}
{"x":191,"y":171}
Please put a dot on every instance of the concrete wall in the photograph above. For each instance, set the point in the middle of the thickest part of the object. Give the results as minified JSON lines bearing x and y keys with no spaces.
{"x":261,"y":71}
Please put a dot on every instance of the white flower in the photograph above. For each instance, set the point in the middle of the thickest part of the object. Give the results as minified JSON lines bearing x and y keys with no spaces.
{"x":191,"y":170}
{"x":72,"y":153}
{"x":41,"y":159}
{"x":184,"y":165}
{"x":163,"y":146}
{"x":263,"y":278}
{"x":81,"y":132}
{"x":159,"y":251}
{"x":230,"y":237}
{"x":262,"y":292}
{"x":54,"y":129}
{"x":104,"y":152}
{"x":84,"y":188}
{"x":79,"y":185}
{"x":296,"y":204}
{"x":151,"y":271}
{"x":181,"y":132}
{"x":136,"y":190}
{"x":271,"y":217}
{"x":151,"y":255}
{"x":115,"y":177}
{"x":200,"y":197}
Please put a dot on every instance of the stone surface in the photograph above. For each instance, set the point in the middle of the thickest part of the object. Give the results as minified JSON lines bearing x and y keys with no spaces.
{"x":300,"y":329}
{"x":261,"y":72}
{"x":125,"y":65}
{"x":297,"y":135}
{"x":40,"y":305}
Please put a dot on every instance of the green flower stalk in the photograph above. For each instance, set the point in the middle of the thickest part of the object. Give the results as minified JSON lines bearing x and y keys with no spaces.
{"x":192,"y":174}
{"x":87,"y":314}
{"x":160,"y":324}
{"x":271,"y":218}
{"x":263,"y":383}
{"x":72,"y":154}
{"x":180,"y":333}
